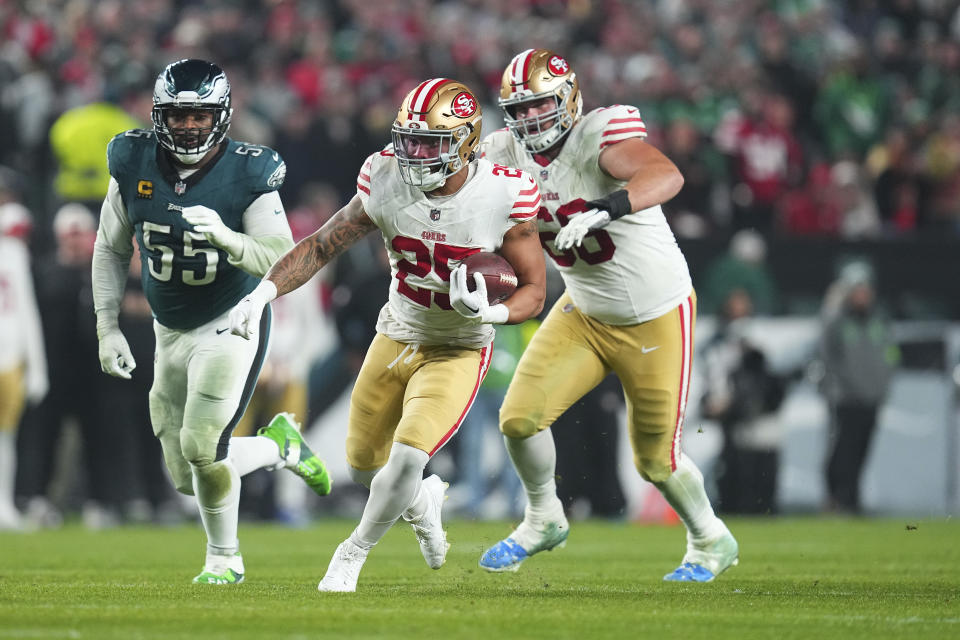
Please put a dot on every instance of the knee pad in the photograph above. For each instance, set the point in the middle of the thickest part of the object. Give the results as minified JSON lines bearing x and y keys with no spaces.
{"x":197,"y":446}
{"x":363,"y":457}
{"x":214,"y":481}
{"x":518,"y":427}
{"x":652,"y":470}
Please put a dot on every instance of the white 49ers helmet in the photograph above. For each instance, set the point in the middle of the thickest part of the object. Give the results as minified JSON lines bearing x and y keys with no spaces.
{"x":436,"y":132}
{"x":531,"y":76}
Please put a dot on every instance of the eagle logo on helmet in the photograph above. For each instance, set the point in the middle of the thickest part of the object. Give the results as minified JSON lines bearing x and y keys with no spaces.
{"x":464,"y":105}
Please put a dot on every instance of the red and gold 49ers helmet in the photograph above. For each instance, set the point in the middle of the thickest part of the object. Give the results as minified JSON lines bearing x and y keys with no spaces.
{"x":436,"y":132}
{"x":531,"y":76}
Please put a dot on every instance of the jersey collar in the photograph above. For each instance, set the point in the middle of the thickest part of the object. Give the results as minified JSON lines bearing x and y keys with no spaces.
{"x":169,"y":171}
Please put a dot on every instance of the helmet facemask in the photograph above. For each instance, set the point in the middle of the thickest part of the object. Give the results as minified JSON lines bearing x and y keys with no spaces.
{"x":539,"y":132}
{"x":191,"y":85}
{"x":427,"y":158}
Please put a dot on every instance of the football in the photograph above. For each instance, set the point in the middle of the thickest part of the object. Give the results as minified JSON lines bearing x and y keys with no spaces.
{"x":500,"y":278}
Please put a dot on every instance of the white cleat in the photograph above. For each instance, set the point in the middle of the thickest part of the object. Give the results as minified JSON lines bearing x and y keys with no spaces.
{"x":705,"y":560}
{"x":429,"y":527}
{"x":344,"y":569}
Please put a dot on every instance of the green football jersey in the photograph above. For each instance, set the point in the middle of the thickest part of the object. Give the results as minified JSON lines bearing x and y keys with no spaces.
{"x":187,"y":280}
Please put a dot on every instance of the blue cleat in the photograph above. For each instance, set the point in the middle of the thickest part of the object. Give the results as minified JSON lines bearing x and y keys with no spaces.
{"x":705,"y":561}
{"x":532,"y":536}
{"x":689,"y":572}
{"x":506,"y":555}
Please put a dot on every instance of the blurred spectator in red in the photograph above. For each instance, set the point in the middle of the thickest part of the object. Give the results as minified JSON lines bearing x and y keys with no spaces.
{"x":766,"y":155}
{"x":811,"y":209}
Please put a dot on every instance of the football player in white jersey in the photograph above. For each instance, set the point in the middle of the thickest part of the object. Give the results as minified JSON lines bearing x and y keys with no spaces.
{"x":629,"y":306}
{"x":435,"y":204}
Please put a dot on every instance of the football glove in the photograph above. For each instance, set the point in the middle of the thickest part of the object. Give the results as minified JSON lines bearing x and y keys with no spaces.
{"x":208,"y":222}
{"x":474,"y":304}
{"x":599,"y":214}
{"x":115,"y":356}
{"x":245,"y":316}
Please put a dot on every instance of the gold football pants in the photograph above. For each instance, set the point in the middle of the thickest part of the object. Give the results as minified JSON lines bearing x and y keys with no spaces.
{"x":413,"y":394}
{"x":571,"y":353}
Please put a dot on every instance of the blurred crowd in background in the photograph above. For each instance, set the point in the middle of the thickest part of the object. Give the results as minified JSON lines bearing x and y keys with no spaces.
{"x":786,"y":117}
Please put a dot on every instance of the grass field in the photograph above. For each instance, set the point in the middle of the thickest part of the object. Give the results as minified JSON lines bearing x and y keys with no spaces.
{"x":798,"y":578}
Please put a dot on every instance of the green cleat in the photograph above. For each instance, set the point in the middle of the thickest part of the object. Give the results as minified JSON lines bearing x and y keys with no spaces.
{"x":221,"y":570}
{"x":297,"y":456}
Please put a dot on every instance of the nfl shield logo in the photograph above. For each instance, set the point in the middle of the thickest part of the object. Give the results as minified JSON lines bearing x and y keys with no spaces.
{"x":434,"y":214}
{"x":544,"y":174}
{"x":180,"y":188}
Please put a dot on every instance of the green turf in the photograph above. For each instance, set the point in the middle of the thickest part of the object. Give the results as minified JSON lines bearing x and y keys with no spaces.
{"x":798,"y":578}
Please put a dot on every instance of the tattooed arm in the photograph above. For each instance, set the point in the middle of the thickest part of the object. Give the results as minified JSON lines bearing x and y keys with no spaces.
{"x":309,"y":255}
{"x":300,"y":264}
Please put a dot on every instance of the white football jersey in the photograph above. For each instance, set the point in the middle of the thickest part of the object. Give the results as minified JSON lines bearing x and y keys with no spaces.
{"x":631,"y":270}
{"x":427,"y":237}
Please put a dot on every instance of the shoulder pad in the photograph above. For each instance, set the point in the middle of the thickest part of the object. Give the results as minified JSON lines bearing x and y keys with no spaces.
{"x":264,"y":166}
{"x":125,"y":146}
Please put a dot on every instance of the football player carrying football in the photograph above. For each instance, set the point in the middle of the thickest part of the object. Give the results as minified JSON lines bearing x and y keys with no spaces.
{"x":209,"y":222}
{"x":629,"y":306}
{"x":435,"y":204}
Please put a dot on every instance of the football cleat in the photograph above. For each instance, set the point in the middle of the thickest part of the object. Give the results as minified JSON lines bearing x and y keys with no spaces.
{"x":532,"y":536}
{"x":705,"y":561}
{"x":297,"y":456}
{"x":344,"y":568}
{"x":221,"y":570}
{"x":429,"y":526}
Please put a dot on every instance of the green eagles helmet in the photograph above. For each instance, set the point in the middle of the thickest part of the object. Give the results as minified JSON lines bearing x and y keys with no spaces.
{"x":194,"y":85}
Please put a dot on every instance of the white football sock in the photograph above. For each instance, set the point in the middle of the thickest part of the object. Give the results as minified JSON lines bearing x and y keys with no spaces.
{"x":535,"y":459}
{"x":364,"y":477}
{"x":684,"y":492}
{"x":392,"y":490}
{"x":217,"y":487}
{"x":8,"y":468}
{"x":252,"y":453}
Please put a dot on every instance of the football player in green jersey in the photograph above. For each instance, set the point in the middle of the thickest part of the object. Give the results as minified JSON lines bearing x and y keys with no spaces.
{"x":209,"y":222}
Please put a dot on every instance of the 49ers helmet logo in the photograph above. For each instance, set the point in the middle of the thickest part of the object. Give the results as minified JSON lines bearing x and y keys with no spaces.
{"x":558,"y":66}
{"x":464,"y":105}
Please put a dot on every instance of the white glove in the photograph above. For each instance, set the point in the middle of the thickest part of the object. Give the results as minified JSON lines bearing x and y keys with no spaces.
{"x":208,"y":222}
{"x":579,"y":225}
{"x":474,"y":304}
{"x":115,"y":356}
{"x":245,"y":316}
{"x":36,"y":385}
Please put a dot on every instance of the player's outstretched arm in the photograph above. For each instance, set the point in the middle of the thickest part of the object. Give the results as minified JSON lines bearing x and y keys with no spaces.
{"x":301,"y":263}
{"x":521,"y":248}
